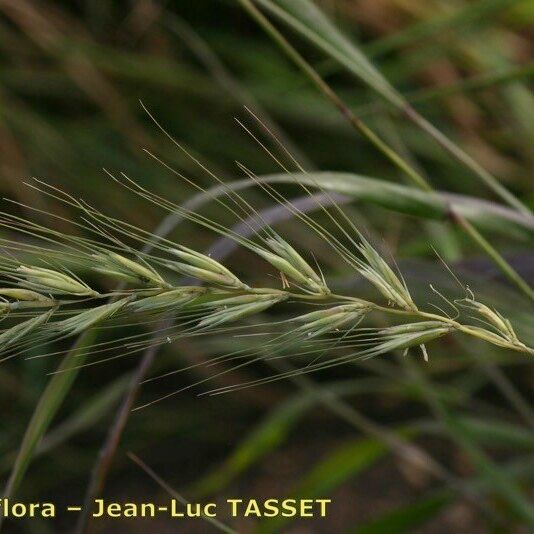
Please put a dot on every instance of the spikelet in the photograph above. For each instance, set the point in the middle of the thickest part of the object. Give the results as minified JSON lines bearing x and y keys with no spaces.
{"x":240,"y":307}
{"x":84,"y":320}
{"x":244,"y":299}
{"x":411,"y":339}
{"x":502,"y":324}
{"x":322,"y":321}
{"x":118,"y":266}
{"x":380,"y":274}
{"x":405,"y":336}
{"x":288,"y":253}
{"x":48,"y":280}
{"x":409,"y":328}
{"x":167,"y":300}
{"x":22,"y":330}
{"x":203,"y":268}
{"x":328,"y":312}
{"x":23,"y":294}
{"x":496,"y":339}
{"x":288,"y":264}
{"x":24,"y":298}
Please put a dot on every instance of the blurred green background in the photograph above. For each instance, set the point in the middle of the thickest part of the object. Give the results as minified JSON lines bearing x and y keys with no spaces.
{"x":72,"y":76}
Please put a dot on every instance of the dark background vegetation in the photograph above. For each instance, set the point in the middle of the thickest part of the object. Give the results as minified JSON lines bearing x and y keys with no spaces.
{"x":72,"y":75}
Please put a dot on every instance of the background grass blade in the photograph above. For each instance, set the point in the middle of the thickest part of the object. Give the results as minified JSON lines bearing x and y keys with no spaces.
{"x":406,"y":518}
{"x":304,"y":17}
{"x":344,"y":462}
{"x":45,"y":411}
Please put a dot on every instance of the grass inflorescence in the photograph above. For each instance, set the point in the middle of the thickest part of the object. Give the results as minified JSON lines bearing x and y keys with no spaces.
{"x":45,"y":301}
